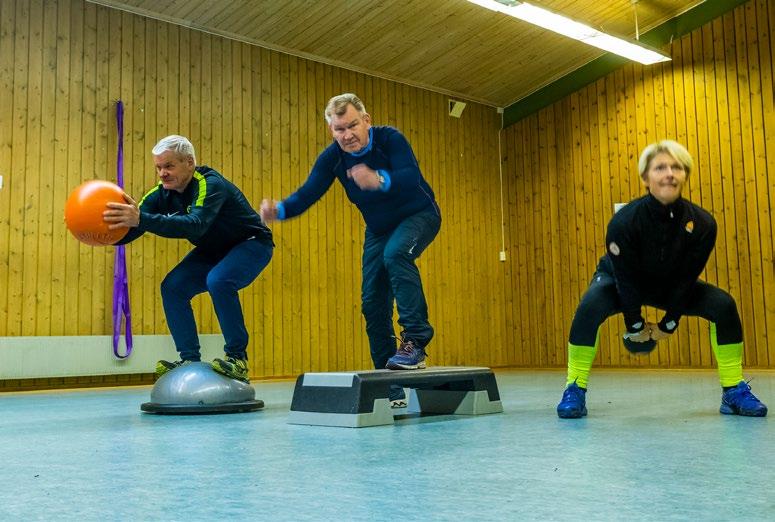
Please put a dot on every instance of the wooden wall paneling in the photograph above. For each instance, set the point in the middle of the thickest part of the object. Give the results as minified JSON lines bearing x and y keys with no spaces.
{"x":760,"y":240}
{"x":734,"y":73}
{"x":74,"y":72}
{"x":468,"y":204}
{"x":311,"y":299}
{"x":136,"y":154}
{"x":491,"y":159}
{"x":522,"y":289}
{"x":533,"y":345}
{"x":62,"y":240}
{"x":561,"y":228}
{"x":541,"y":296}
{"x":86,"y":165}
{"x":251,"y":297}
{"x":320,"y":221}
{"x":271,"y":190}
{"x":711,"y":173}
{"x":766,"y":154}
{"x":526,"y":286}
{"x":513,"y":295}
{"x":711,"y":98}
{"x":440,"y":248}
{"x":511,"y":179}
{"x":308,"y":120}
{"x":272,"y":118}
{"x":255,"y":115}
{"x":289,"y":231}
{"x":31,"y":218}
{"x":45,"y":163}
{"x":484,"y":155}
{"x":7,"y":120}
{"x":447,"y":242}
{"x":110,"y":68}
{"x":141,"y":251}
{"x":725,"y":170}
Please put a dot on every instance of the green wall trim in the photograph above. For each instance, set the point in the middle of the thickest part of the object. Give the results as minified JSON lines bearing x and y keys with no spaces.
{"x":657,"y":37}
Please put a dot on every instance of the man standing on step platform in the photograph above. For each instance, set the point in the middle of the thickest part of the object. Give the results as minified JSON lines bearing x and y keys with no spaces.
{"x":379,"y":172}
{"x":231,"y":248}
{"x":658,"y":246}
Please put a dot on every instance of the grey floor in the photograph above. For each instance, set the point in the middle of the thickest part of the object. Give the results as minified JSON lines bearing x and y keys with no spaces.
{"x":652,"y":448}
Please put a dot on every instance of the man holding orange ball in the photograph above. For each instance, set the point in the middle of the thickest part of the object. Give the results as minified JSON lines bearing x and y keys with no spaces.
{"x":231,"y":248}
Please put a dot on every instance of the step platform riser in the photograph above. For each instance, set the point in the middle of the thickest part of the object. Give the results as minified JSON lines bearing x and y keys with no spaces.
{"x":360,"y":399}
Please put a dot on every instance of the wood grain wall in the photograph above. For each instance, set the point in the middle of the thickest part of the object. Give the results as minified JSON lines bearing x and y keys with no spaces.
{"x":256,"y":116}
{"x":568,"y":164}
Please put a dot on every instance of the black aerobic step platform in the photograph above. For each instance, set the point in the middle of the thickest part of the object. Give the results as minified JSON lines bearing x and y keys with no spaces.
{"x":360,"y":399}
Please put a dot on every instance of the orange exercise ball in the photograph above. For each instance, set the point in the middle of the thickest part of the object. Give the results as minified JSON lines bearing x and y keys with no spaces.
{"x":84,"y":208}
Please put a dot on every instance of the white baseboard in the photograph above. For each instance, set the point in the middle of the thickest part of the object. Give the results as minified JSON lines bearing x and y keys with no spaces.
{"x":76,"y":356}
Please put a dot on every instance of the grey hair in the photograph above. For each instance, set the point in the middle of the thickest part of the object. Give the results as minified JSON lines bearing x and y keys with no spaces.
{"x":674,"y":149}
{"x":177,"y":144}
{"x":338,"y":105}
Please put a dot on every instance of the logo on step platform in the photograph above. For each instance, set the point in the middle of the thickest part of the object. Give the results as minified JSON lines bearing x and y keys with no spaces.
{"x":614,"y":248}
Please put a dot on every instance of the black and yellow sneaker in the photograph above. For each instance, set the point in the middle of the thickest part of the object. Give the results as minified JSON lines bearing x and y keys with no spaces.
{"x":232,"y":368}
{"x":163,"y":367}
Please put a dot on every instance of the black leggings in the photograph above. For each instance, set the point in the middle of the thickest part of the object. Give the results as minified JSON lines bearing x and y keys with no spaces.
{"x":602,"y":301}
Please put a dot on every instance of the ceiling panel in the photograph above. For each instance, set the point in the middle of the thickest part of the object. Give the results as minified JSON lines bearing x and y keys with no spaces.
{"x":450,"y":46}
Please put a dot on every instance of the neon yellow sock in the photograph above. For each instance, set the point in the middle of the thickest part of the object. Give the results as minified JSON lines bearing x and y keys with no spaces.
{"x":729,"y":358}
{"x":580,"y":363}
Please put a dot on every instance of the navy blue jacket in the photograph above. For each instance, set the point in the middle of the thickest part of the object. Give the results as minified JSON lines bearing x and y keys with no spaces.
{"x":383,"y":211}
{"x":211,"y":213}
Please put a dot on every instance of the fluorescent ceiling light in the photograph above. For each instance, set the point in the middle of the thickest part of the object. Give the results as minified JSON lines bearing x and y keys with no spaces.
{"x":631,"y":50}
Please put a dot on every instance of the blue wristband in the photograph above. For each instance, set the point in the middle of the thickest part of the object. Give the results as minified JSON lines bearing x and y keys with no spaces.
{"x":385,"y":185}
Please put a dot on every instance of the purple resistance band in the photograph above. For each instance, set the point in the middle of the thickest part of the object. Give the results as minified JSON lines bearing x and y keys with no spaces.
{"x":120,"y":284}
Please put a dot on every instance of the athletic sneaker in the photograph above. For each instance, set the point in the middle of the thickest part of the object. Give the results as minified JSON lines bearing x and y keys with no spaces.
{"x":232,"y":368}
{"x":163,"y":367}
{"x":740,"y":401}
{"x":410,"y":356}
{"x":574,"y":402}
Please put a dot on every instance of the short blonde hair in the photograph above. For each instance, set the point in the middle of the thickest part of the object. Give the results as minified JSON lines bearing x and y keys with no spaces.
{"x":338,"y":105}
{"x":178,"y":144}
{"x":677,"y":151}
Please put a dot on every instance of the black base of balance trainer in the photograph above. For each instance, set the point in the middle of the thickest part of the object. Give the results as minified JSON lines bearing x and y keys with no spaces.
{"x":360,"y":399}
{"x":195,"y":389}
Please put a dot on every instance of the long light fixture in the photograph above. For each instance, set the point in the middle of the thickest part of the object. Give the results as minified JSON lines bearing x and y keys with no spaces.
{"x":631,"y":50}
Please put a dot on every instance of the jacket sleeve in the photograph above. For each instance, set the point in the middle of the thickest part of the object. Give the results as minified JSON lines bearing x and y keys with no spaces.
{"x":318,"y":182}
{"x":148,"y":204}
{"x":204,"y":210}
{"x":622,"y":244}
{"x":694,"y":264}
{"x":404,"y":170}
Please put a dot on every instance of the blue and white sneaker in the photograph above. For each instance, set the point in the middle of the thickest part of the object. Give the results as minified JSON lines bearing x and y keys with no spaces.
{"x":574,"y":402}
{"x":740,"y":401}
{"x":410,"y":356}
